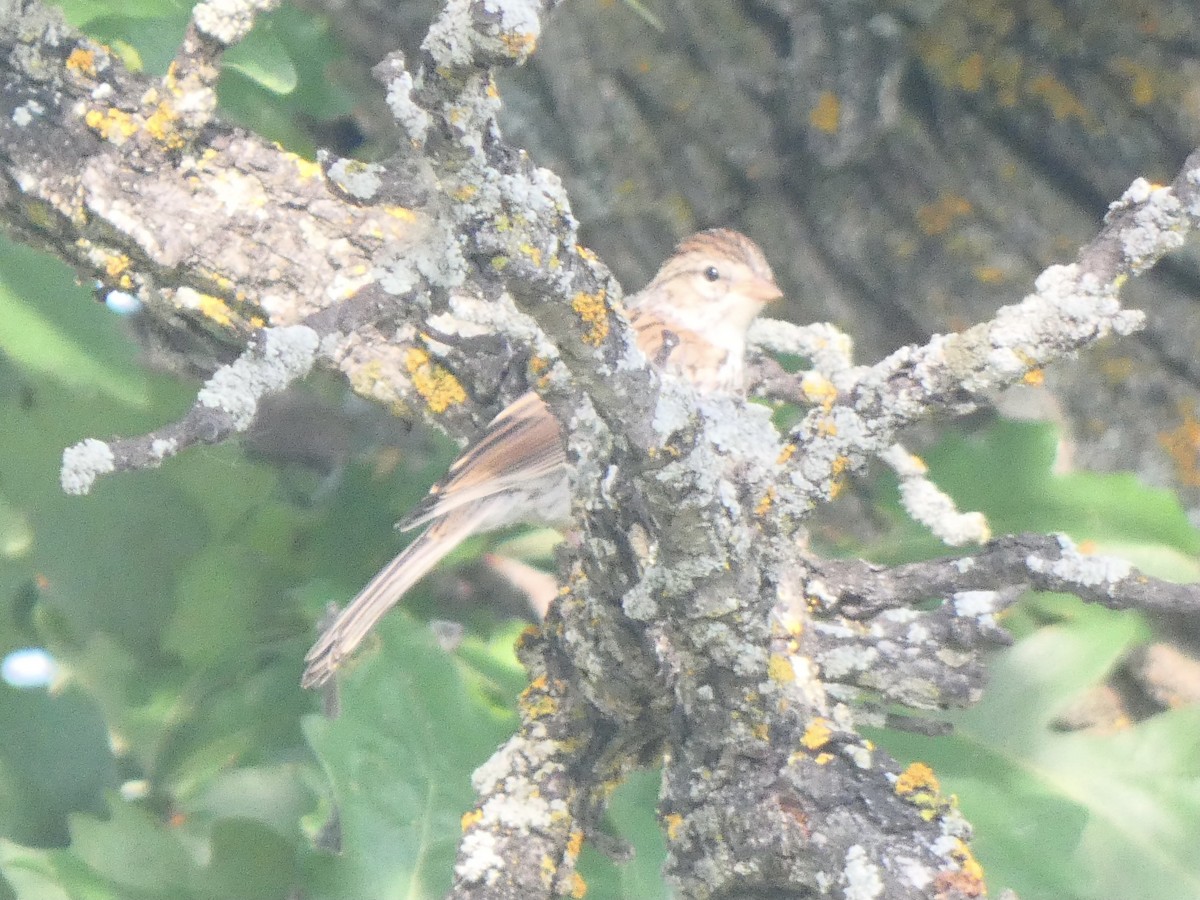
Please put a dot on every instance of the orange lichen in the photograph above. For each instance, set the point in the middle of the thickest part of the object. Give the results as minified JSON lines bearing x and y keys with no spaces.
{"x":519,"y":46}
{"x":989,"y":274}
{"x":970,"y":73}
{"x":817,"y":734}
{"x":818,"y":389}
{"x":840,"y":465}
{"x":593,"y":310}
{"x":575,"y":842}
{"x":937,"y":217}
{"x":579,"y":887}
{"x":1182,"y":444}
{"x":826,"y":116}
{"x":955,"y":884}
{"x":113,"y":124}
{"x":1142,"y":90}
{"x":917,"y":777}
{"x":161,"y":125}
{"x":765,"y":502}
{"x":785,"y":454}
{"x":438,"y":388}
{"x":1059,"y":98}
{"x":827,"y":428}
{"x":116,"y":265}
{"x":83,"y":61}
{"x":1034,"y":377}
{"x":674,"y":822}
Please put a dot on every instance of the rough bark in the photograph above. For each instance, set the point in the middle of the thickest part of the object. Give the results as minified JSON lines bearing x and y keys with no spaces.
{"x":908,"y":166}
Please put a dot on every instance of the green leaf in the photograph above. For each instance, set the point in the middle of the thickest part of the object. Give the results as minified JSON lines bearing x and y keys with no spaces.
{"x":30,"y":874}
{"x":1006,"y":471}
{"x":1071,"y":815}
{"x":249,"y":862}
{"x":263,"y":58}
{"x":54,"y":760}
{"x":400,"y":758}
{"x":67,"y":336}
{"x":134,"y":852}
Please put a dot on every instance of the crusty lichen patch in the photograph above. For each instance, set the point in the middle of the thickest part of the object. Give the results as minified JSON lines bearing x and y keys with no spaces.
{"x":438,"y":388}
{"x":593,"y":310}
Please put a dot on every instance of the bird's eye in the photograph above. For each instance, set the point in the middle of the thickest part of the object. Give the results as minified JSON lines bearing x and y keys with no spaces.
{"x":711,"y":273}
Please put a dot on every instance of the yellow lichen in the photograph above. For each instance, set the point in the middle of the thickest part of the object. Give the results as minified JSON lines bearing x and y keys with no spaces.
{"x":785,"y":454}
{"x":113,"y":124}
{"x":1034,"y":377}
{"x":818,"y":389}
{"x":1141,"y":80}
{"x":966,"y":858}
{"x":471,"y":818}
{"x":1061,"y":101}
{"x":817,"y":734}
{"x":765,"y":502}
{"x":161,"y":125}
{"x":937,"y":217}
{"x":826,"y":116}
{"x":674,"y":822}
{"x":216,"y":309}
{"x":761,"y":731}
{"x":970,"y":73}
{"x":438,"y":388}
{"x":519,"y":46}
{"x":779,"y":668}
{"x":593,"y":310}
{"x":574,"y":842}
{"x":534,"y":254}
{"x":917,"y":777}
{"x":116,"y":265}
{"x":83,"y":61}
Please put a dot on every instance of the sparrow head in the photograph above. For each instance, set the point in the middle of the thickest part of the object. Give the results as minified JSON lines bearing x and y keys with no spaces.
{"x":715,"y":279}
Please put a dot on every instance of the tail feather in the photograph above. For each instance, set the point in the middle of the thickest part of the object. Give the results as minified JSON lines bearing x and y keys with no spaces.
{"x":383,"y":592}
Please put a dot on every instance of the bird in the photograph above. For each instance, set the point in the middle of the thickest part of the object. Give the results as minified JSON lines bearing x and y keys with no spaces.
{"x":690,"y":321}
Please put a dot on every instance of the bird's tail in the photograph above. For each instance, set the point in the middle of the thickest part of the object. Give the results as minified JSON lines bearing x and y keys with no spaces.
{"x":384,"y":591}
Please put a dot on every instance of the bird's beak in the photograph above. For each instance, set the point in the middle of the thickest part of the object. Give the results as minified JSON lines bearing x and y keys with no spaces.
{"x":763,"y":290}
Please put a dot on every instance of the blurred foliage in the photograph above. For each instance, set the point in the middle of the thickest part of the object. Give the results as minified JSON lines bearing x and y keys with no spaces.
{"x":175,"y":756}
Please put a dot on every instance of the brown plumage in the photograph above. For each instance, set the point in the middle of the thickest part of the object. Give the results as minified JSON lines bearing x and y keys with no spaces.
{"x":690,"y":321}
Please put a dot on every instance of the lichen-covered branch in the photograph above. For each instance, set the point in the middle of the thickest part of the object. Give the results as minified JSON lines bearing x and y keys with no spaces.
{"x":859,"y":590}
{"x":225,"y":406}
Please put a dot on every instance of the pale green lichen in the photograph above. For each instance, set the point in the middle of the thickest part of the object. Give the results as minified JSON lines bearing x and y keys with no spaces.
{"x":286,"y":355}
{"x":83,"y":463}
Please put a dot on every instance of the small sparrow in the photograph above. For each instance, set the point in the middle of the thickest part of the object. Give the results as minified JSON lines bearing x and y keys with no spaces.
{"x":690,"y":321}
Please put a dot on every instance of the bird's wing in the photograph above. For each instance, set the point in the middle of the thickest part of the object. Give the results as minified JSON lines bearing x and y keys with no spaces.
{"x":520,"y":446}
